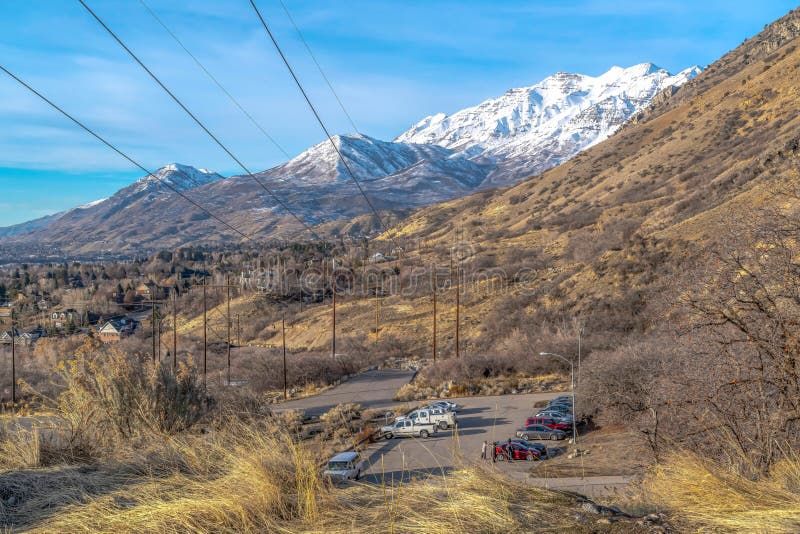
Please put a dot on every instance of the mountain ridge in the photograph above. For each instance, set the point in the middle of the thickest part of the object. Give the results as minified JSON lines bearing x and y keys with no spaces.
{"x":570,"y":112}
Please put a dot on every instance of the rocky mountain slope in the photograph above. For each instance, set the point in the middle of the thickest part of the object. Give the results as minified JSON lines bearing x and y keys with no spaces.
{"x":531,"y":129}
{"x":497,"y":142}
{"x":608,"y":234}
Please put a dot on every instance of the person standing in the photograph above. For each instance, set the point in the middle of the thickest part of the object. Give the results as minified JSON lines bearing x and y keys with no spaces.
{"x":483,"y":450}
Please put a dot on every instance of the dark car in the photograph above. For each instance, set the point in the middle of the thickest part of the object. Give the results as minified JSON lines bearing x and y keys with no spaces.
{"x":540,"y":432}
{"x":538,"y":447}
{"x":514,"y":451}
{"x":549,"y":422}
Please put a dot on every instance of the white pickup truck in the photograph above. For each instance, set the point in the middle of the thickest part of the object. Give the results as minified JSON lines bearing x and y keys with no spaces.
{"x":407,"y":427}
{"x":444,"y":419}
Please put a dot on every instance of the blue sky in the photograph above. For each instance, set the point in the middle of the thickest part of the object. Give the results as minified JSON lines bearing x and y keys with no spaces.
{"x":391,"y":62}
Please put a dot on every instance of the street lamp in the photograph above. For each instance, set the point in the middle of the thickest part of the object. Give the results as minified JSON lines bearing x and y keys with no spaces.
{"x":572,"y":379}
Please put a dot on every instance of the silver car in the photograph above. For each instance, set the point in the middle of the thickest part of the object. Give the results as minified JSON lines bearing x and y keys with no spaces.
{"x":540,"y":432}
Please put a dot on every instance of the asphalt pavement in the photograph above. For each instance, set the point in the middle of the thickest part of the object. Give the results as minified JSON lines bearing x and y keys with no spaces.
{"x":373,"y":389}
{"x":491,"y":418}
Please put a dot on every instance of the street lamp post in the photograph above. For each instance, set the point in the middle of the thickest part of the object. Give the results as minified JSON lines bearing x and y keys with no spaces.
{"x":572,"y":380}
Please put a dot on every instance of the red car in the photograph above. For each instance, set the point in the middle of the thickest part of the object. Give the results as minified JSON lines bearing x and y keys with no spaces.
{"x":515,"y":451}
{"x":548,"y":422}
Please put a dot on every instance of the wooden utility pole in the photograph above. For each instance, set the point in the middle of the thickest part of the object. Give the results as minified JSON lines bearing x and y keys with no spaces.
{"x":153,"y":318}
{"x":458,"y":307}
{"x":378,"y":307}
{"x":13,"y":366}
{"x":283,"y":336}
{"x":205,"y":332}
{"x":175,"y":331}
{"x":238,"y":332}
{"x":228,"y":322}
{"x":333,"y":329}
{"x":434,"y":317}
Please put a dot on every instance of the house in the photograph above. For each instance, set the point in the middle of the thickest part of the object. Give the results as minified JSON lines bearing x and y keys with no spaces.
{"x":5,"y":309}
{"x":116,"y":329}
{"x":21,"y":338}
{"x":62,"y":318}
{"x":149,"y":290}
{"x":5,"y":337}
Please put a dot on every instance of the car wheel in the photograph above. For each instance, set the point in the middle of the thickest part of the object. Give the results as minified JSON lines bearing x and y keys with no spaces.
{"x":423,"y":434}
{"x":443,"y":425}
{"x":554,"y":437}
{"x":388,"y":435}
{"x":498,"y":457}
{"x":529,"y":457}
{"x":525,"y":437}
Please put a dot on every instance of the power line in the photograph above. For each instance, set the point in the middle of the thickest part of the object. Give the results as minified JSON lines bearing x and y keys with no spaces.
{"x":200,"y":123}
{"x":319,"y":67}
{"x":328,"y":82}
{"x":216,"y":81}
{"x":319,"y":120}
{"x":120,"y":152}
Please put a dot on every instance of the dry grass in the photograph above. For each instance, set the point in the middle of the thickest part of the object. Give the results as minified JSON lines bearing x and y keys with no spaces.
{"x":704,"y":496}
{"x":244,"y":479}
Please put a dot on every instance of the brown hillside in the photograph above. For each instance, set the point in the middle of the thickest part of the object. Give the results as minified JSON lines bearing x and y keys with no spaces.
{"x":601,"y":235}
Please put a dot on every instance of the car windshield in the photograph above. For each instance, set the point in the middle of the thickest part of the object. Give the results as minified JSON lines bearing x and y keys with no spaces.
{"x":338,"y":466}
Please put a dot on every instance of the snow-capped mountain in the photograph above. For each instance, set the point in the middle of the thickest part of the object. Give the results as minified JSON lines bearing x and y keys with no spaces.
{"x":180,"y":177}
{"x":528,"y":130}
{"x":498,"y":142}
{"x":371,"y":160}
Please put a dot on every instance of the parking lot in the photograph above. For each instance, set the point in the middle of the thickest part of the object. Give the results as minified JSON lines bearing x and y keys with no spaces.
{"x":492,"y":418}
{"x":479,"y":418}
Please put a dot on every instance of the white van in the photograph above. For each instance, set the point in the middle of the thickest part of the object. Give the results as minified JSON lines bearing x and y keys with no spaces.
{"x":345,"y":465}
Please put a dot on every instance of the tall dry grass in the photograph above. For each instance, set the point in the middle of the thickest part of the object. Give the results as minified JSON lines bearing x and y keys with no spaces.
{"x":244,"y":479}
{"x":700,"y":495}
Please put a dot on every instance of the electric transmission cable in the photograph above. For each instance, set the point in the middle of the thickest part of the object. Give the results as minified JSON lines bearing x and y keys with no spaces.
{"x":121,"y":153}
{"x":321,"y":122}
{"x":215,"y":80}
{"x":200,"y":123}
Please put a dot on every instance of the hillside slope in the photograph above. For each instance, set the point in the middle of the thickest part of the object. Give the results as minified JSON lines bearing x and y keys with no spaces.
{"x":603,"y":234}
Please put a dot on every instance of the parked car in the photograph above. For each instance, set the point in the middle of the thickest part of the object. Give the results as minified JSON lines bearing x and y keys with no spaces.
{"x":557,"y":415}
{"x":539,"y":447}
{"x":440,"y":417}
{"x":548,"y":422}
{"x":566,"y":399}
{"x":447,"y":405}
{"x":407,"y":427}
{"x":540,"y":432}
{"x":513,"y":451}
{"x":345,"y":465}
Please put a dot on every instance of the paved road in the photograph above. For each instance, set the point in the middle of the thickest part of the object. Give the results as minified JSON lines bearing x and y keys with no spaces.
{"x":373,"y":389}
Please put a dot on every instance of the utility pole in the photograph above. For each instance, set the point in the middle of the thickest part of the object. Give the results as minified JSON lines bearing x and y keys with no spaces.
{"x":378,"y":307}
{"x":228,"y":322}
{"x":205,"y":332}
{"x":153,"y":318}
{"x":434,"y":316}
{"x":333,"y":337}
{"x":238,"y":332}
{"x":458,"y":307}
{"x":175,"y":331}
{"x":580,"y":334}
{"x":283,"y":335}
{"x":13,"y":366}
